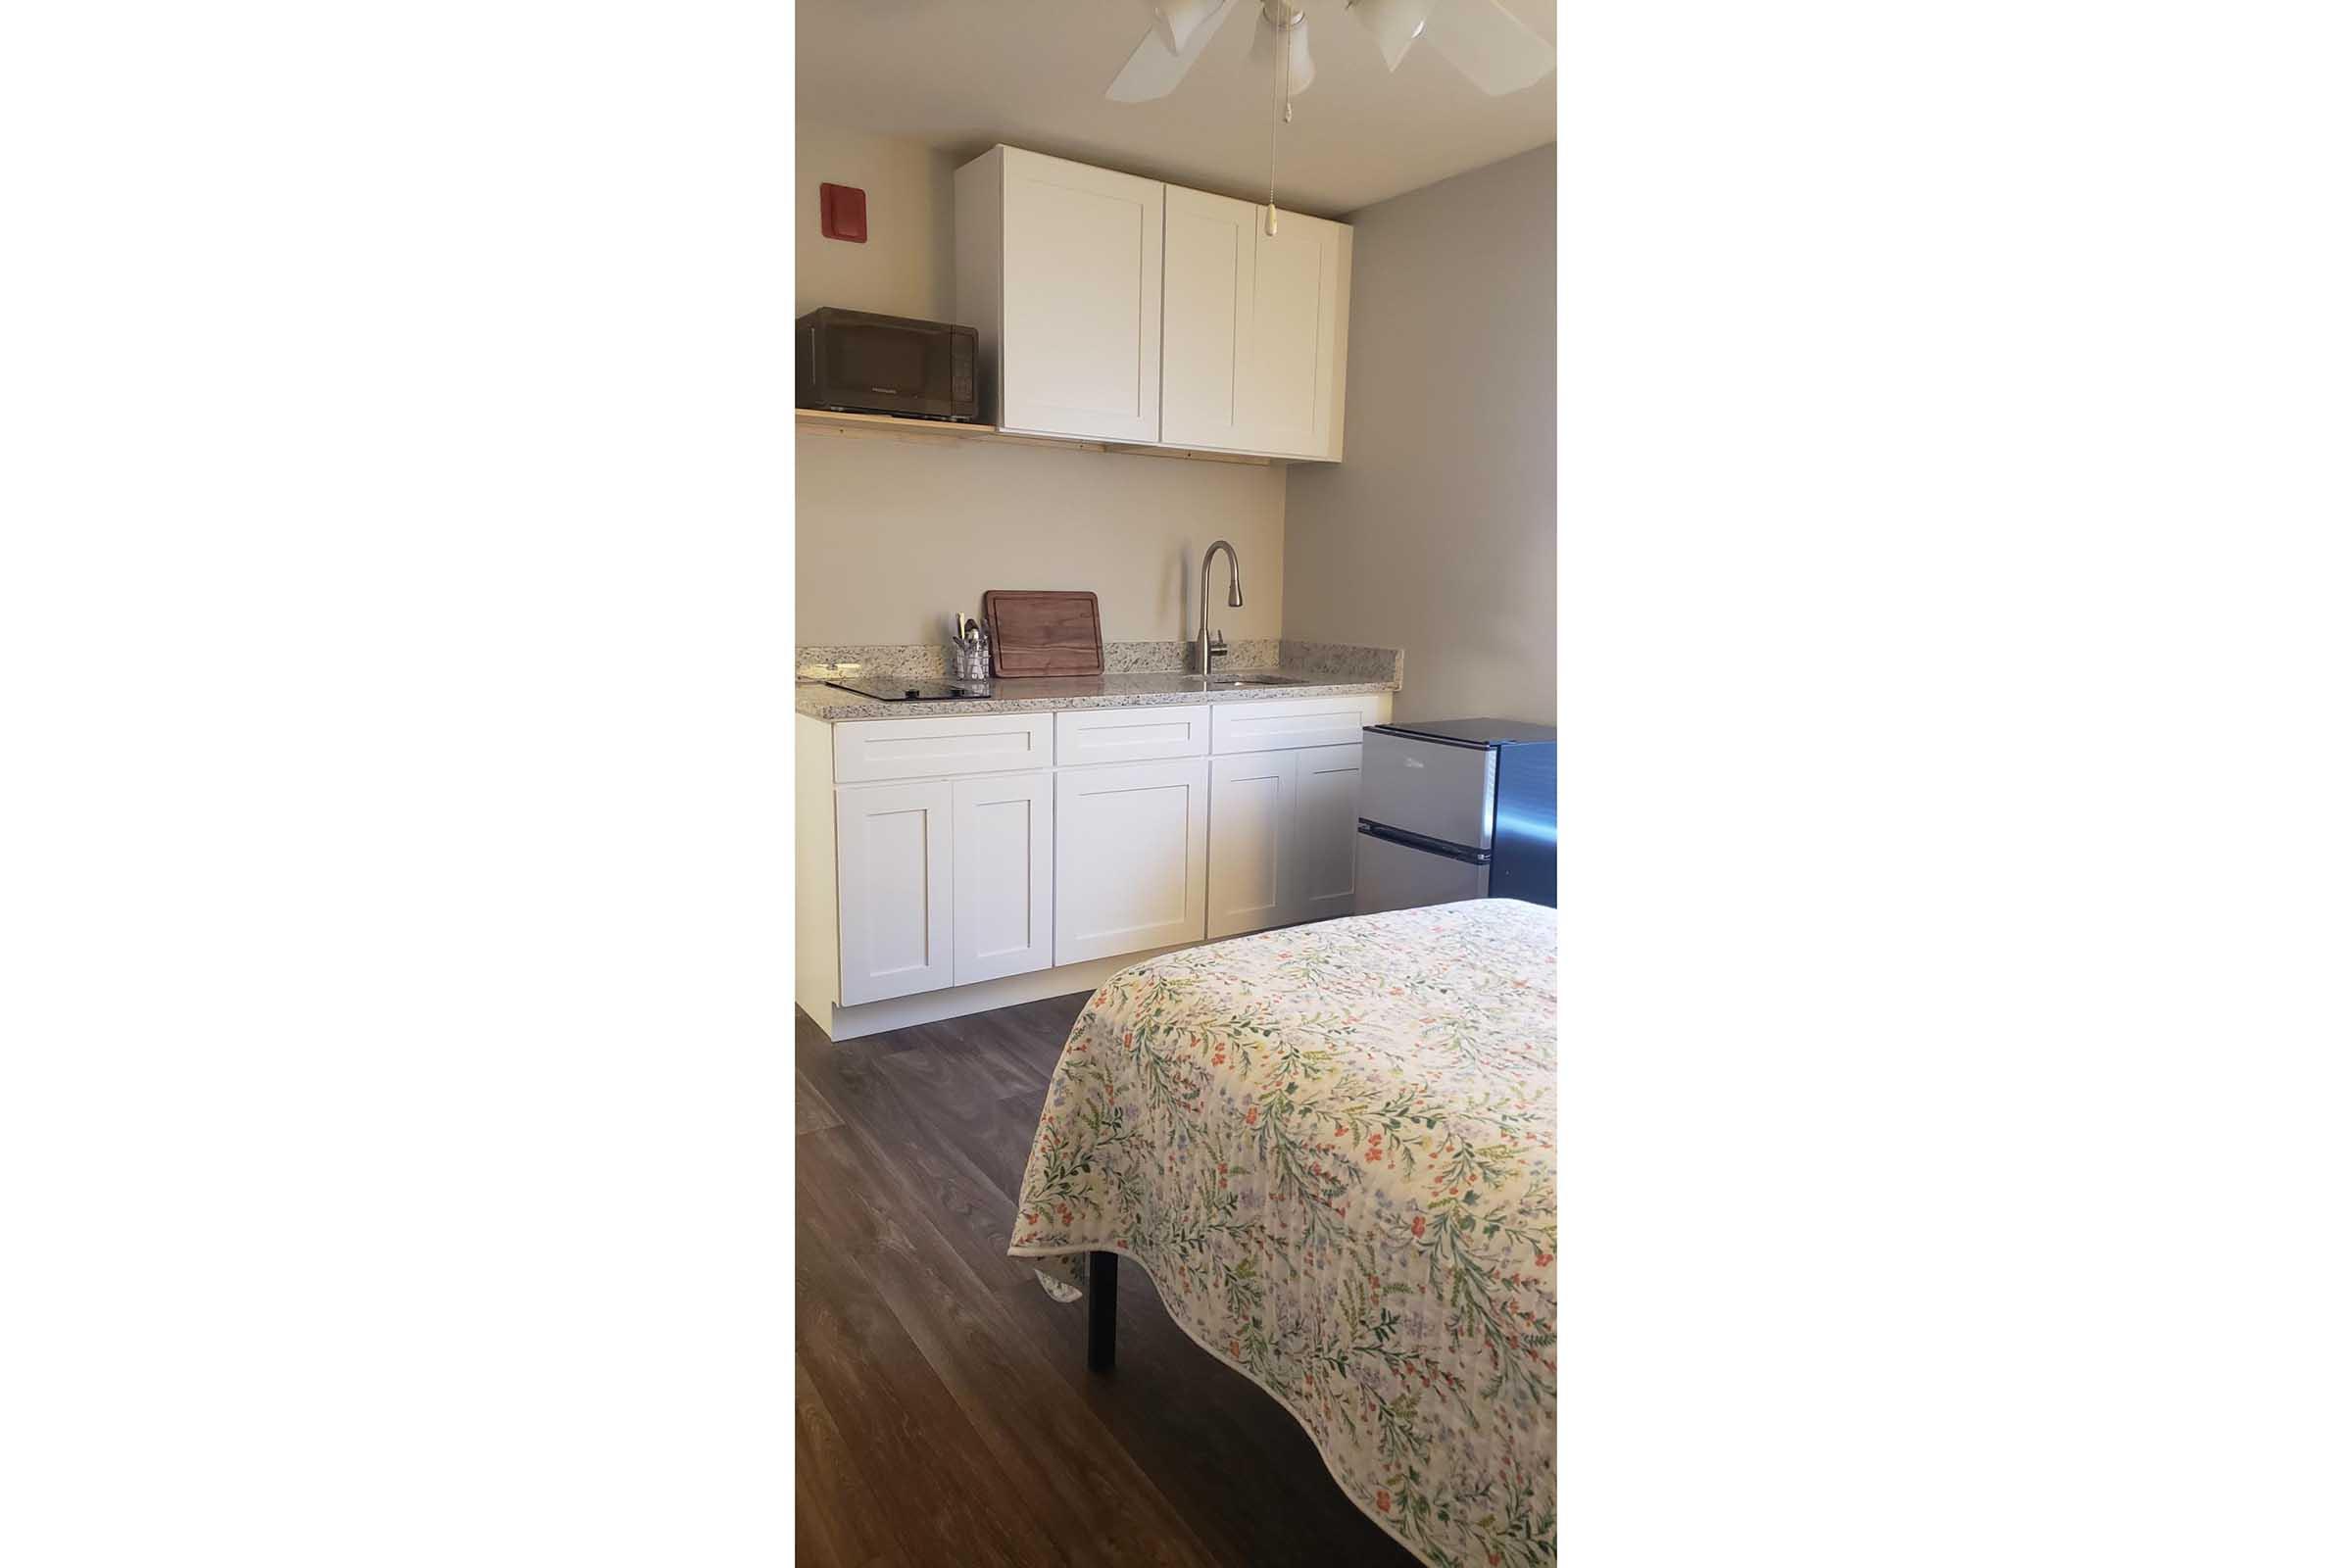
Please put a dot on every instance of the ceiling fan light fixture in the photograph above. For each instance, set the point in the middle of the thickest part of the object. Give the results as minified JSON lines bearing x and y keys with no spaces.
{"x":1294,"y":33}
{"x":1302,"y":64}
{"x":1392,"y":24}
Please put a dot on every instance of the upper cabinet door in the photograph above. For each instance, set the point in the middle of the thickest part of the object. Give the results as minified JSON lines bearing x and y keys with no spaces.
{"x":1295,"y":374}
{"x":1080,"y":296}
{"x":1208,"y":314}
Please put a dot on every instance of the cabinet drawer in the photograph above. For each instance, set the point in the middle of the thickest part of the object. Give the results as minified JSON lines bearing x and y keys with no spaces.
{"x":1129,"y":735}
{"x":1281,"y":724}
{"x":869,"y":750}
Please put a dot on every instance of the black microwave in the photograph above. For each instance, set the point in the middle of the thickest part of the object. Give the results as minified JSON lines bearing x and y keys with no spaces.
{"x":853,"y":361}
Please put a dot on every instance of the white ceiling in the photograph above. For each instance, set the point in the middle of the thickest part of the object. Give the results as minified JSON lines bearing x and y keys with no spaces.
{"x":963,"y":75}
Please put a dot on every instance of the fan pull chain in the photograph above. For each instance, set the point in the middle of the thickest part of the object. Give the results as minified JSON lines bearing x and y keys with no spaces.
{"x":1282,"y":91}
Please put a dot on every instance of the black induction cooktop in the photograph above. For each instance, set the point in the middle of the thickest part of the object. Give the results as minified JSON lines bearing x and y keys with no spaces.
{"x":893,"y":689}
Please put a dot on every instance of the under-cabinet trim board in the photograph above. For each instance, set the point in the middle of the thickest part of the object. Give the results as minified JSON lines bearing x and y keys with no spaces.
{"x":926,"y":432}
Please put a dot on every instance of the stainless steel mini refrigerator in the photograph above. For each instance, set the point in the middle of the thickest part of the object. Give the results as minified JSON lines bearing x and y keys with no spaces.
{"x":1458,"y":808}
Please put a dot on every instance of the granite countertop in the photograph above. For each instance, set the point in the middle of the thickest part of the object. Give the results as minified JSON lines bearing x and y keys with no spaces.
{"x":1040,"y":693}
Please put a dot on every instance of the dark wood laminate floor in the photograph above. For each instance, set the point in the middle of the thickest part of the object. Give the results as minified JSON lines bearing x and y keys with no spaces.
{"x":944,"y":1412}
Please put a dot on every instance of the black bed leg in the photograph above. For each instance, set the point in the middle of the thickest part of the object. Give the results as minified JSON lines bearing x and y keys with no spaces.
{"x":1101,"y":1309}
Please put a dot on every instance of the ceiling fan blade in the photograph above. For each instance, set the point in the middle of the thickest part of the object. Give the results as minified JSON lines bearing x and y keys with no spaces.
{"x":1177,"y":20}
{"x":1483,"y":42}
{"x":1392,"y":24}
{"x":1154,"y":69}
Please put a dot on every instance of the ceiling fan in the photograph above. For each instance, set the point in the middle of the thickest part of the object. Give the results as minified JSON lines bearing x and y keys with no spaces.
{"x":1477,"y":37}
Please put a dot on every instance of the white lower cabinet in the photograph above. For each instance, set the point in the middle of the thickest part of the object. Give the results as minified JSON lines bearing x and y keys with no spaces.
{"x":1004,"y":854}
{"x":975,"y":871}
{"x":1253,"y":856}
{"x":1327,"y":779}
{"x":1130,"y":857}
{"x":1281,"y":837}
{"x":894,"y":864}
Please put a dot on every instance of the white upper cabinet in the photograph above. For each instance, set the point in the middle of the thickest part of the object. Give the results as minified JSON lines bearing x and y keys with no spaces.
{"x":1255,"y":329}
{"x":1207,"y":315}
{"x":1295,"y":377}
{"x":1119,"y":309}
{"x":1058,"y":266}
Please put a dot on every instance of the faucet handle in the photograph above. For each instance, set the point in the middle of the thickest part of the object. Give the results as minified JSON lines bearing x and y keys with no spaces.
{"x":1216,"y":645}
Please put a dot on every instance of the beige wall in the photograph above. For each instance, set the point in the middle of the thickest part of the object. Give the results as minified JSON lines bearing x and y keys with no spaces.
{"x":1436,"y":534}
{"x":894,"y":534}
{"x":907,"y":265}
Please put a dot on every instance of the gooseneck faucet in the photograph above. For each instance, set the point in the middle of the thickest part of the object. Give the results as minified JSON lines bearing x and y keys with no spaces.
{"x":1207,"y":654}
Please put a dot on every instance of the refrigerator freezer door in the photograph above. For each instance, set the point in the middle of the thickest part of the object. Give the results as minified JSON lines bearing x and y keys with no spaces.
{"x":1394,"y":876}
{"x":1526,"y":837}
{"x":1436,"y":789}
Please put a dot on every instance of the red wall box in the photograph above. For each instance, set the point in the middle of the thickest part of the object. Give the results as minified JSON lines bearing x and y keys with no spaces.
{"x":843,"y":209}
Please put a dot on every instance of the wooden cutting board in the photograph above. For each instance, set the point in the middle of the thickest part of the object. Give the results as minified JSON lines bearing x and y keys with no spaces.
{"x":1043,"y":632}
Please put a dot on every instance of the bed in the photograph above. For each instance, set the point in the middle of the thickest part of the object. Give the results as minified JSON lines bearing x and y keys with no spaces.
{"x":1330,"y":1148}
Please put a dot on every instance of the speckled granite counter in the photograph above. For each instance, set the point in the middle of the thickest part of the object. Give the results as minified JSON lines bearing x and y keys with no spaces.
{"x":1039,"y":693}
{"x":1136,"y":675}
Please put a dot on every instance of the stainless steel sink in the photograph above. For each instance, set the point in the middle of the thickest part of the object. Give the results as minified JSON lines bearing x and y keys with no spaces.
{"x":1219,"y":683}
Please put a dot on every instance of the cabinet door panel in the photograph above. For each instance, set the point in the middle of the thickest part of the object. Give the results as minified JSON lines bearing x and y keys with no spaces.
{"x":1004,"y":842}
{"x":1290,"y":377}
{"x":1079,"y":338}
{"x":1130,"y":857}
{"x":1327,"y":814}
{"x":895,"y":862}
{"x":1254,"y":845}
{"x":1206,"y":314}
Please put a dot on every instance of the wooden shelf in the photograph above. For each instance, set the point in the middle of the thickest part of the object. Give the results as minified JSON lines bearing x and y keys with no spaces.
{"x":889,"y":428}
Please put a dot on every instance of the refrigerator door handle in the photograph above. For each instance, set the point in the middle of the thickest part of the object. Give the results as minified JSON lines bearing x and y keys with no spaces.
{"x":1421,"y":842}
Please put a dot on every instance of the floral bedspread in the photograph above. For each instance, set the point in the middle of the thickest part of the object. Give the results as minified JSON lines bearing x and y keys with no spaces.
{"x":1332,"y":1148}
